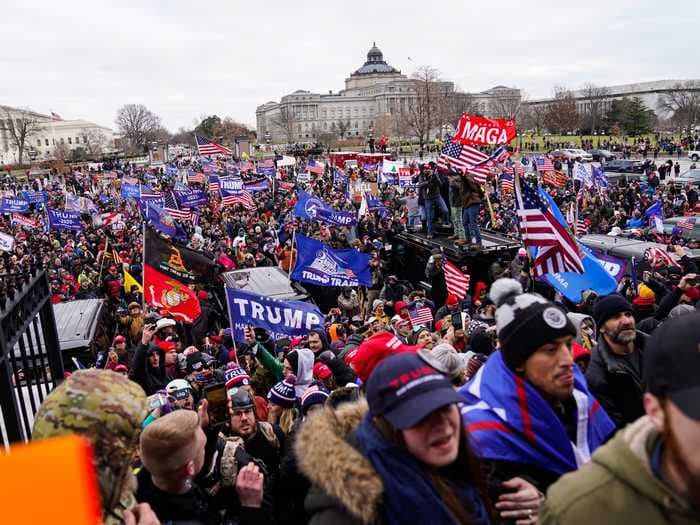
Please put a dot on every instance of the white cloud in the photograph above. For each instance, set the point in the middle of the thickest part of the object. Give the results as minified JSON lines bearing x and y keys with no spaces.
{"x":183,"y":59}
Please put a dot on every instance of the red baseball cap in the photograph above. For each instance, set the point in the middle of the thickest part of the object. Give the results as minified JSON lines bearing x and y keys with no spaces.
{"x":321,"y":371}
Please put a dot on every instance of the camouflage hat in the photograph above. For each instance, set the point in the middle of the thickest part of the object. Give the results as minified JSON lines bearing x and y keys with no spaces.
{"x":104,"y":407}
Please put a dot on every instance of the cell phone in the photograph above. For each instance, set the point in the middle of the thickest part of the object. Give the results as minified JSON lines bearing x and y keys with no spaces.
{"x":284,"y":342}
{"x":217,"y":403}
{"x":457,"y":320}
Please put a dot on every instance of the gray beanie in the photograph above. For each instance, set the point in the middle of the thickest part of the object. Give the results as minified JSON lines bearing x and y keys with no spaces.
{"x":452,"y":361}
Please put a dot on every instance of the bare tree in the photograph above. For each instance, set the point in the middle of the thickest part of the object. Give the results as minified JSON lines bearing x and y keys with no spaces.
{"x":683,"y":103}
{"x":61,"y":151}
{"x":594,"y":98}
{"x":137,"y":124}
{"x":20,"y":125}
{"x":506,"y":106}
{"x":96,"y":141}
{"x":424,"y":110}
{"x":341,"y":127}
{"x":285,"y":122}
{"x":231,"y":129}
{"x":562,"y":115}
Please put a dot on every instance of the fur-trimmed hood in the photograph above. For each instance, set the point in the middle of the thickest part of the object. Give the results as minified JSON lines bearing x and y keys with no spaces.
{"x":335,"y":466}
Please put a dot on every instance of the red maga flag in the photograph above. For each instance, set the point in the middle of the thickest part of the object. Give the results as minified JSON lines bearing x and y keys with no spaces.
{"x":480,"y":130}
{"x":169,"y":294}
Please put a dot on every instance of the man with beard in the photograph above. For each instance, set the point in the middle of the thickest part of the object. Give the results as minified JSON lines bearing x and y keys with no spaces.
{"x":615,"y":373}
{"x":650,"y":471}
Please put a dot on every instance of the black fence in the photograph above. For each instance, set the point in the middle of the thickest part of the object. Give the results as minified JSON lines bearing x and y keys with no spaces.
{"x":30,"y":356}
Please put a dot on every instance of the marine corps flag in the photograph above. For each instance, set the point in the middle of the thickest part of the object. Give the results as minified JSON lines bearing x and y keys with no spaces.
{"x":168,"y":269}
{"x":174,"y":260}
{"x":170,"y":294}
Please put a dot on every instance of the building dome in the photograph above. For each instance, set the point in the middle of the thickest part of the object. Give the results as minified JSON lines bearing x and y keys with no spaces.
{"x":375,"y":63}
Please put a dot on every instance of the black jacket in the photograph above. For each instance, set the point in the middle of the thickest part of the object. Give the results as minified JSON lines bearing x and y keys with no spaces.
{"x":618,"y":390}
{"x":150,"y":379}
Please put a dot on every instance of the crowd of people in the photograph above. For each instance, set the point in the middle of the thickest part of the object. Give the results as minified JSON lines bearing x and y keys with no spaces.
{"x":510,"y":405}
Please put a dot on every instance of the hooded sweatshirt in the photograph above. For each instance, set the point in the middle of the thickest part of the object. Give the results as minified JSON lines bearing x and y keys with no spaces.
{"x":581,"y":338}
{"x":304,"y":371}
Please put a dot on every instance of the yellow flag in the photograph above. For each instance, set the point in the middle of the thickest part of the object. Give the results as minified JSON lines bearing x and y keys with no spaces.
{"x":129,"y":281}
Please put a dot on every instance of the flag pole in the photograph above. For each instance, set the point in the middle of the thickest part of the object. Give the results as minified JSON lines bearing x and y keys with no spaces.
{"x":493,"y":217}
{"x":102,"y":260}
{"x":293,"y":259}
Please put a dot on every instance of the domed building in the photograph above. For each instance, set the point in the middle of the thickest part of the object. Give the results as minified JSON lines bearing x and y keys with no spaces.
{"x":374,"y":89}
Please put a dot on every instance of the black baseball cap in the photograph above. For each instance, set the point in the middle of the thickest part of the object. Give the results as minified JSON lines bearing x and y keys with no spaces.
{"x":672,"y":363}
{"x":406,"y":388}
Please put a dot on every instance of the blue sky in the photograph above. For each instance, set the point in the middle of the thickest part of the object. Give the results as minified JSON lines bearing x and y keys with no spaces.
{"x":84,"y":59}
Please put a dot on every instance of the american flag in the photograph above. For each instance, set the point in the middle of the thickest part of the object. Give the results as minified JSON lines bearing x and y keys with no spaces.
{"x":506,"y":182}
{"x":172,"y":209}
{"x":658,"y":257}
{"x":544,"y":164}
{"x":239,"y":197}
{"x":581,"y":228}
{"x":246,"y":166}
{"x":195,"y":178}
{"x":467,"y":159}
{"x":116,"y":257}
{"x":555,"y":178}
{"x":207,"y":147}
{"x":213,"y":182}
{"x":557,"y":250}
{"x":419,"y":316}
{"x":149,"y":193}
{"x":499,"y":155}
{"x":687,"y":223}
{"x":519,"y":168}
{"x":315,"y":166}
{"x":457,"y":282}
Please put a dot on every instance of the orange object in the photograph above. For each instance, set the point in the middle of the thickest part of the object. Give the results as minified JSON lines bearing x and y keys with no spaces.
{"x":50,"y":481}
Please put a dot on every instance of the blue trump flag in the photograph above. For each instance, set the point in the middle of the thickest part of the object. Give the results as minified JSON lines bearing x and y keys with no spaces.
{"x":312,"y":208}
{"x":13,"y":205}
{"x":64,"y":220}
{"x":279,"y":318}
{"x":595,"y":275}
{"x":164,"y":223}
{"x":319,"y":264}
{"x":35,"y":197}
{"x":131,"y":191}
{"x":191,"y":198}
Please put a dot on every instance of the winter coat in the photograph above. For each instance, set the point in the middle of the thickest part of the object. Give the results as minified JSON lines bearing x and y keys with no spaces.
{"x":346,"y":489}
{"x":471,"y":192}
{"x":150,"y":379}
{"x":618,"y":486}
{"x":618,"y":391}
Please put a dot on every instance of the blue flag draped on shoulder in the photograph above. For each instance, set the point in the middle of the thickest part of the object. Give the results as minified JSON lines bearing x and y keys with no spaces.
{"x":319,"y":264}
{"x":507,"y":419}
{"x":596,"y":276}
{"x":279,"y":318}
{"x":64,"y":220}
{"x":312,"y":208}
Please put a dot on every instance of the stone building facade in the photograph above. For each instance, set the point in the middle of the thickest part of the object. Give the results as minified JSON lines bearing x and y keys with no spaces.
{"x":373,"y":90}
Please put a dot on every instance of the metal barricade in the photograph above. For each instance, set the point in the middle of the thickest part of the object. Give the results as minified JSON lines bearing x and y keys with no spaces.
{"x":30,"y":357}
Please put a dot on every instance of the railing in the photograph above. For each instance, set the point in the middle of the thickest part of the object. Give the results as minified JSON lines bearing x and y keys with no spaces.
{"x":30,"y":356}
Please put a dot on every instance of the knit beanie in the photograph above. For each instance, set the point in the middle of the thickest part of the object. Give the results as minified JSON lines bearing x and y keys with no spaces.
{"x":607,"y":306}
{"x":293,"y":358}
{"x":525,"y":321}
{"x":283,"y":393}
{"x":316,"y":394}
{"x":452,"y":361}
{"x":236,"y":376}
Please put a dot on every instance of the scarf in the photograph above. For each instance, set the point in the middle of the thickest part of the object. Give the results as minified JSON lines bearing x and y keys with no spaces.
{"x":507,"y":419}
{"x":409,"y":496}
